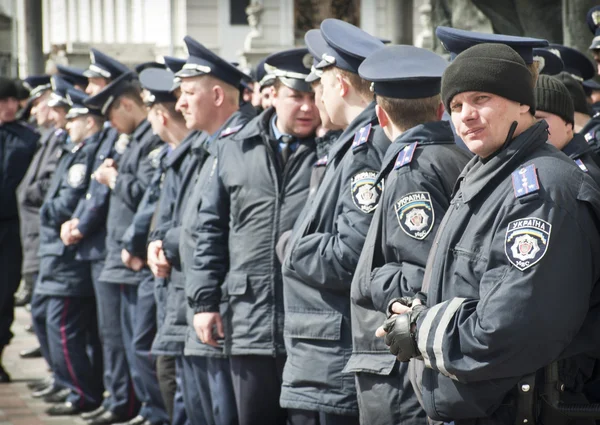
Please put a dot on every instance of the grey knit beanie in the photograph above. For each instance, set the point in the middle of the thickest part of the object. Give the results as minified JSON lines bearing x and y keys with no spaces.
{"x":552,"y":96}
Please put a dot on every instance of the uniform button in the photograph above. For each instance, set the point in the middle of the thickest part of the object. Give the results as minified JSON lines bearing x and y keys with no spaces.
{"x":525,"y":388}
{"x":101,"y":156}
{"x":88,"y":196}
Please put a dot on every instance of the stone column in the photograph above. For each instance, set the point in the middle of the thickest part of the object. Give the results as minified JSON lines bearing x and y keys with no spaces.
{"x":33,"y":36}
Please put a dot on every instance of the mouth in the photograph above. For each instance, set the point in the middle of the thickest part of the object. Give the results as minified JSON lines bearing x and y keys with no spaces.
{"x":472,"y":132}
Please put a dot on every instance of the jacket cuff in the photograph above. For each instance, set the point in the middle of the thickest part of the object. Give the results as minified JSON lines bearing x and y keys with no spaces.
{"x":204,"y":308}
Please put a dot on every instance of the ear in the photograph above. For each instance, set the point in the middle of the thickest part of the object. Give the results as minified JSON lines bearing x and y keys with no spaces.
{"x":382,"y":116}
{"x":440,"y":111}
{"x":274,"y":95}
{"x":343,"y":84}
{"x":89,"y":123}
{"x":218,"y":95}
{"x":523,"y":109}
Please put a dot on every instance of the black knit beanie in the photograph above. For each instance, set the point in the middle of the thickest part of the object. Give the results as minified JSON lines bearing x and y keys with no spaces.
{"x":492,"y":68}
{"x":553,"y":97}
{"x":576,"y":91}
{"x":7,"y":88}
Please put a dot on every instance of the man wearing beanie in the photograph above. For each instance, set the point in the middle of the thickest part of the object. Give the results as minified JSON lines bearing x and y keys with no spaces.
{"x":554,"y":105}
{"x":581,"y":107}
{"x":520,"y":233}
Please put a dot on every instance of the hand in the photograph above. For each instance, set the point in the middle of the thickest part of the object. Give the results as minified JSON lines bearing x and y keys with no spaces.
{"x":106,"y":172}
{"x":396,"y":308}
{"x":69,"y":233}
{"x":158,"y":263}
{"x":131,"y":261}
{"x":126,"y":258}
{"x":204,"y":324}
{"x":400,"y":330}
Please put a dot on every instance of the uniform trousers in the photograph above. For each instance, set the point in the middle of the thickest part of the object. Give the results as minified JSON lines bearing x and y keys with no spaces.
{"x":11,"y":258}
{"x":257,"y":386}
{"x":310,"y":417}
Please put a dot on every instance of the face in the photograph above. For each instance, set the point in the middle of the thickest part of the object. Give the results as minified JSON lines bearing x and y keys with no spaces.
{"x":296,"y":111}
{"x":95,"y":84}
{"x":41,"y":111}
{"x":58,"y":116}
{"x":331,"y":98}
{"x":482,"y":120}
{"x":325,"y":120}
{"x":8,"y":109}
{"x":266,"y":98}
{"x":155,"y":118}
{"x":196,"y":103}
{"x":119,"y":117}
{"x":596,"y":55}
{"x":561,"y":133}
{"x":77,"y":129}
{"x":595,"y":96}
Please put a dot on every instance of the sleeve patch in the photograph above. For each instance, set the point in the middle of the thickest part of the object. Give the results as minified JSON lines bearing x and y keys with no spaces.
{"x":415,"y":214}
{"x":526,"y":241}
{"x":525,"y":181}
{"x":365,"y":194}
{"x":76,"y":175}
{"x":405,"y":156}
{"x":361,"y":137}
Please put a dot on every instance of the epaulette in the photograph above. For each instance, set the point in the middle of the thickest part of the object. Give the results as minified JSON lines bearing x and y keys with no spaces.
{"x":321,"y":162}
{"x":361,"y":137}
{"x":581,"y":165}
{"x":230,"y":130}
{"x":405,"y":156}
{"x":525,"y":181}
{"x":589,"y":136}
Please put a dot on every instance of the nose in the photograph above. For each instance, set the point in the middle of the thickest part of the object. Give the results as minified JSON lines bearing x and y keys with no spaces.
{"x":307,"y":105}
{"x":468,"y":112}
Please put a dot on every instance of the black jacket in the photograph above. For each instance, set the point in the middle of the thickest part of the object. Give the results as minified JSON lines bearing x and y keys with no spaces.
{"x":510,"y":281}
{"x":583,"y":155}
{"x":136,"y":166}
{"x":250,"y":200}
{"x":323,"y":253}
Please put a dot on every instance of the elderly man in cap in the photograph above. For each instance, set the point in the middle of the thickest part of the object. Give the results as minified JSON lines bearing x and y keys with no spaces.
{"x":328,"y":237}
{"x":64,"y":295}
{"x":219,"y":117}
{"x":18,"y":142}
{"x":523,"y":221}
{"x":419,"y":169}
{"x":261,"y":180}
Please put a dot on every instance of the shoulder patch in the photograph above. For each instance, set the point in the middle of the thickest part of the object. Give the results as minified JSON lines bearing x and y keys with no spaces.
{"x":526,"y":241}
{"x":361,"y":137}
{"x":154,"y":157}
{"x":322,"y":162}
{"x":76,"y":175}
{"x":365,"y":194}
{"x":525,"y":181}
{"x":405,"y":156}
{"x":415,"y":214}
{"x":581,"y":165}
{"x":230,"y":130}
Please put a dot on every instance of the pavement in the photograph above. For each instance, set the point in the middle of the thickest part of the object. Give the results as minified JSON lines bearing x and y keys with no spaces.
{"x":17,"y":407}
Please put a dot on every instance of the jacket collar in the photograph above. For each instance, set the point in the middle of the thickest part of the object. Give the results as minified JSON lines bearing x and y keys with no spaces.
{"x":140,"y":130}
{"x":577,"y":147}
{"x":367,"y":116}
{"x":180,"y":151}
{"x":477,"y":174}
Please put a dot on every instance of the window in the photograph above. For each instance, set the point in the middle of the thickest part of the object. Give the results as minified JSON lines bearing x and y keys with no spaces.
{"x":237,"y":12}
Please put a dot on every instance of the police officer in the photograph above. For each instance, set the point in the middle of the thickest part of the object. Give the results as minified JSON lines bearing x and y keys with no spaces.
{"x":419,"y":171}
{"x":548,"y":62}
{"x":218,"y":119}
{"x":102,"y":70}
{"x":329,"y":235}
{"x":522,"y":222}
{"x":73,"y":75}
{"x":65,"y":305}
{"x":121,"y":102}
{"x":554,"y":105}
{"x":18,"y":143}
{"x":265,"y":79}
{"x":593,"y":21}
{"x":261,"y":180}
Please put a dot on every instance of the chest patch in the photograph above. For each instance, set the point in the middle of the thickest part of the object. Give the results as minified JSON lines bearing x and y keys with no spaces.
{"x":76,"y":175}
{"x":364,"y":192}
{"x":415,"y":214}
{"x":526,"y":241}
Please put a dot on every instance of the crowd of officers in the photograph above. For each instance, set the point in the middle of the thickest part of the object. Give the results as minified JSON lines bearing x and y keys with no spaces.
{"x":358,"y":233}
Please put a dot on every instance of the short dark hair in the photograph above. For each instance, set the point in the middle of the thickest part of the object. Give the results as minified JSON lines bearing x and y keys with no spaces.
{"x":130,"y":91}
{"x":169,"y":107}
{"x":363,"y":87}
{"x":408,"y":113}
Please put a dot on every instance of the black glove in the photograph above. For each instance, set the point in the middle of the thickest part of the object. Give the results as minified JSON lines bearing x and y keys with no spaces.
{"x":405,"y":301}
{"x":400,"y":339}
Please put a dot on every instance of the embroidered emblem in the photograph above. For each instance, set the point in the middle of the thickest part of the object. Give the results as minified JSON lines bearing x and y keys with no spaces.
{"x":322,"y":162}
{"x":405,"y":156}
{"x":155,"y":157}
{"x":76,"y":175}
{"x":525,"y":181}
{"x":361,"y":136}
{"x":122,"y":143}
{"x":230,"y":130}
{"x":526,"y":241}
{"x":415,"y":214}
{"x":581,"y":165}
{"x":364,"y":194}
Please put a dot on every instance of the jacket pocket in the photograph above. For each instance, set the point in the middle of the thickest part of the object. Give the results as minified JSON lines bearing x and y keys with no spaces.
{"x":325,"y":325}
{"x":237,"y":283}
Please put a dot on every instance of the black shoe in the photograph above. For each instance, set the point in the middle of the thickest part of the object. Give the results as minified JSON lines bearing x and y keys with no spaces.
{"x":106,"y":418}
{"x":138,"y":420}
{"x":66,"y":408}
{"x":32,"y":353}
{"x":38,"y":384}
{"x":46,"y":391}
{"x":4,"y":377}
{"x":91,"y":415}
{"x":58,"y":397}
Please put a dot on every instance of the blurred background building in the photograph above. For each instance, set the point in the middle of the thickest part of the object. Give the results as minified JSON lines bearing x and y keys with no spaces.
{"x":37,"y":34}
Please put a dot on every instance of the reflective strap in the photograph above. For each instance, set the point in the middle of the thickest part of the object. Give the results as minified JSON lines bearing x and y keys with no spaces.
{"x":438,"y":340}
{"x":424,"y":329}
